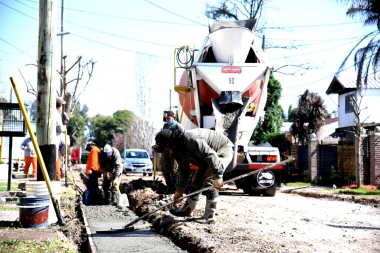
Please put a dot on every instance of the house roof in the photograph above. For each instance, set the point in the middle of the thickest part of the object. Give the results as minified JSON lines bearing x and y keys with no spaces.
{"x":344,"y":84}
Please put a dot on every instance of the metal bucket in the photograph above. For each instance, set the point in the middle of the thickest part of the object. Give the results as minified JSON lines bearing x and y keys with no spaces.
{"x":39,"y":189}
{"x":34,"y":212}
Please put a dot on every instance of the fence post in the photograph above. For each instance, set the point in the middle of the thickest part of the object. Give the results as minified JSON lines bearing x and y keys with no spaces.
{"x":313,"y":161}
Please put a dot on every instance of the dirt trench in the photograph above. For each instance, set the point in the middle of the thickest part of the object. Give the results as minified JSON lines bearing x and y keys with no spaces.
{"x":298,"y":221}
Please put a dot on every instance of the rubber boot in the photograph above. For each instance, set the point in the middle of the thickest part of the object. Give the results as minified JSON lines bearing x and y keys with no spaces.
{"x":187,"y":208}
{"x":209,"y":217}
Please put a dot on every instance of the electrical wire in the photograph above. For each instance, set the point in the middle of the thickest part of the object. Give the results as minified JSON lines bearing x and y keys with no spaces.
{"x":119,"y":48}
{"x":18,"y":49}
{"x":175,"y":13}
{"x":115,"y":16}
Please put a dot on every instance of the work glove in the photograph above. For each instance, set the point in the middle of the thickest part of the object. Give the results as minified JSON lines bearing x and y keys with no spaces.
{"x":155,"y":147}
{"x":218,"y":183}
{"x":176,"y":196}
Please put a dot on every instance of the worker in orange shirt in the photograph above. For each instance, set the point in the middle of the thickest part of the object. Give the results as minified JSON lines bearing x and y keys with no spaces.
{"x":93,"y":171}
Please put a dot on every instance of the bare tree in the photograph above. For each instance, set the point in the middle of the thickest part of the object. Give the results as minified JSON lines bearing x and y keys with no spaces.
{"x":142,"y":130}
{"x":252,"y":9}
{"x":358,"y":132}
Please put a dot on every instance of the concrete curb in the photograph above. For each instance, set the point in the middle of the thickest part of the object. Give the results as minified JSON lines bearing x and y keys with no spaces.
{"x":91,"y":244}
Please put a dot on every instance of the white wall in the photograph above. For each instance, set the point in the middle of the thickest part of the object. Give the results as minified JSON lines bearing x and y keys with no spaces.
{"x":369,"y":105}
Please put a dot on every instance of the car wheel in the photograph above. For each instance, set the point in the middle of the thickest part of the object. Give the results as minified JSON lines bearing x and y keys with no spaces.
{"x":144,"y":174}
{"x":150,"y":174}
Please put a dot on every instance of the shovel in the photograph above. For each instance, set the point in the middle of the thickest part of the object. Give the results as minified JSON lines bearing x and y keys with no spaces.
{"x":128,"y":227}
{"x":121,"y":199}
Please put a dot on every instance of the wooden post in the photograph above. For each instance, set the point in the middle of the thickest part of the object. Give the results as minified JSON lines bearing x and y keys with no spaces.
{"x":46,"y":97}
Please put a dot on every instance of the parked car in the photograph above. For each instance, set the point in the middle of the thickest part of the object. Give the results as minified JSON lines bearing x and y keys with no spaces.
{"x":137,"y":161}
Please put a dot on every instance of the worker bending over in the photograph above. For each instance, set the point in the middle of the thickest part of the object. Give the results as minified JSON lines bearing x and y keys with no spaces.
{"x":209,"y":150}
{"x":112,"y":166}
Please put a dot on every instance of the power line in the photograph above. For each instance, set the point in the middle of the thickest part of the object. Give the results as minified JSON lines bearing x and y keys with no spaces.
{"x":126,"y":50}
{"x":19,"y":11}
{"x":120,"y":17}
{"x":326,"y":40}
{"x":313,"y":51}
{"x":308,"y":26}
{"x":174,"y":13}
{"x":18,"y":49}
{"x":123,"y":37}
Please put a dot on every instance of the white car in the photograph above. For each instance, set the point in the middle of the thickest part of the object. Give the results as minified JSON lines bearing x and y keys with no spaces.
{"x":137,"y":161}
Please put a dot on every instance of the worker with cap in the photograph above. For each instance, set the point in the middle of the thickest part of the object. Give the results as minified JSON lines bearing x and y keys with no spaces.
{"x":169,"y":166}
{"x":112,"y":166}
{"x":212,"y":152}
{"x":93,"y":171}
{"x":59,"y":137}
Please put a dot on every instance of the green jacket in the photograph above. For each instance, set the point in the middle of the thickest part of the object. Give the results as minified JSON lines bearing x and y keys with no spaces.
{"x":114,"y":164}
{"x":201,"y":147}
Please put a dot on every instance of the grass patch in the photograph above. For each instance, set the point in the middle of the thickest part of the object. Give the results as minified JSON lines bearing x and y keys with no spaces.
{"x":297,"y":184}
{"x":9,"y":208}
{"x":22,"y":246}
{"x":68,"y":201}
{"x":359,"y":192}
{"x":4,"y":186}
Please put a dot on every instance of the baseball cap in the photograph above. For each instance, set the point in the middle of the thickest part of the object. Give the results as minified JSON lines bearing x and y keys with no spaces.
{"x":170,"y":113}
{"x":108,"y":150}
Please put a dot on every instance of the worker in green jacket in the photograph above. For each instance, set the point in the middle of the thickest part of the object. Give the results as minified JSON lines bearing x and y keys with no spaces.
{"x":212,"y":152}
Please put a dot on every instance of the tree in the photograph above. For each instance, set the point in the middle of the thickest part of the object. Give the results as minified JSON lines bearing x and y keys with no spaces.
{"x":250,"y":9}
{"x":78,"y":123}
{"x":110,"y":129}
{"x":291,"y":113}
{"x":143,"y":131}
{"x":309,"y":116}
{"x":273,"y":113}
{"x":366,"y":58}
{"x":124,"y":119}
{"x":358,"y":132}
{"x":101,"y":129}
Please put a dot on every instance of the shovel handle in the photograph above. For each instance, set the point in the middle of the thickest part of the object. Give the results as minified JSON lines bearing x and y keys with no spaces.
{"x":116,"y":186}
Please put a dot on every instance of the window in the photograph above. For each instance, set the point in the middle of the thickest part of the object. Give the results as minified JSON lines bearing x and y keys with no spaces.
{"x":348,"y":107}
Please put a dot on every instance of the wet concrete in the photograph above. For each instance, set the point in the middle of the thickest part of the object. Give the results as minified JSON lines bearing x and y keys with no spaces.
{"x":142,"y":239}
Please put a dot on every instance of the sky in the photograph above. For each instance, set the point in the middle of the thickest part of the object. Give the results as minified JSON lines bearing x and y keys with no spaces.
{"x":133,"y":42}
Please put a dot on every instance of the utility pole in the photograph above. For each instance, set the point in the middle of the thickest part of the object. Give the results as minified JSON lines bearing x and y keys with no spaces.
{"x":46,"y":96}
{"x":62,"y":92}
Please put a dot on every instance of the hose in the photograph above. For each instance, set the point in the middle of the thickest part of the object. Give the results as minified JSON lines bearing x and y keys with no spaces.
{"x":188,"y":54}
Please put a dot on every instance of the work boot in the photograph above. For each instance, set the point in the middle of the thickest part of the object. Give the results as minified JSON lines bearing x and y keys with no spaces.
{"x":209,"y":217}
{"x":210,"y":211}
{"x":187,"y":208}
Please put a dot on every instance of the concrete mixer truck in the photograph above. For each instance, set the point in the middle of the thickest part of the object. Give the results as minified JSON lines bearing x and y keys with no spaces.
{"x":223,"y":86}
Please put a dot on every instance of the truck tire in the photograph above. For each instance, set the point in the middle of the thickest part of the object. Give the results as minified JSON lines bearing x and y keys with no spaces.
{"x":248,"y":189}
{"x":270,"y":192}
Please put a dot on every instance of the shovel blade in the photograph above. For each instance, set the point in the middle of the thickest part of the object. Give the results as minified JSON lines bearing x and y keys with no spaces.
{"x":122,"y":200}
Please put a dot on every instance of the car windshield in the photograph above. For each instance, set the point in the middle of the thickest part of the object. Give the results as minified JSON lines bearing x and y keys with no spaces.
{"x":137,"y":154}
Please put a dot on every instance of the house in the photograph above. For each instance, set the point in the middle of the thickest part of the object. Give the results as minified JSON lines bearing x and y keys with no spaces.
{"x":366,"y":99}
{"x":358,"y":107}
